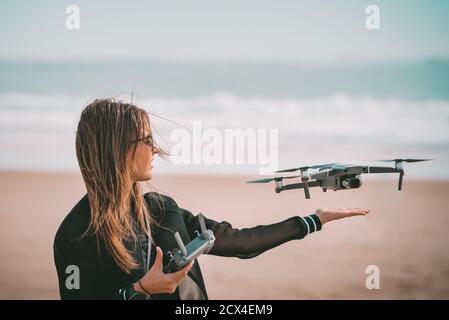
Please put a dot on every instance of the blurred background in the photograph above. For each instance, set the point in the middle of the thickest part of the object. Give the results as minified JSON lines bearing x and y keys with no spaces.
{"x":334,"y":90}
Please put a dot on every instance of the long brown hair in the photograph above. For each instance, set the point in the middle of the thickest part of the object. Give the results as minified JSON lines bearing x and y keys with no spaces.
{"x":105,"y":133}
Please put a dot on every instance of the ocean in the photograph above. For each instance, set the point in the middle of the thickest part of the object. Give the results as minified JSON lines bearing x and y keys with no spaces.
{"x":349,"y":112}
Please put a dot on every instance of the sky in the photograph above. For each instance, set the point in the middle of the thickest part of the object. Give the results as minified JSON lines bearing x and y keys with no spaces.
{"x":224,"y":30}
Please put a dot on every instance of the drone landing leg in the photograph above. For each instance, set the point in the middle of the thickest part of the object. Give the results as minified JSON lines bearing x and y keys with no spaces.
{"x":401,"y":175}
{"x":306,"y":190}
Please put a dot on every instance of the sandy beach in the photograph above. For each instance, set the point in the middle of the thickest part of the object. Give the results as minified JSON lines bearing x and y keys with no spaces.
{"x":405,"y":235}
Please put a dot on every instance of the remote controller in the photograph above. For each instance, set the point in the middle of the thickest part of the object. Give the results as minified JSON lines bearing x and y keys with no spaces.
{"x":179,"y":258}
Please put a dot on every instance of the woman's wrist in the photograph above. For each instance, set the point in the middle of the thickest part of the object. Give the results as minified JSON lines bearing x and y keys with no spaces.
{"x":139,"y":288}
{"x":321,"y":215}
{"x":309,"y":224}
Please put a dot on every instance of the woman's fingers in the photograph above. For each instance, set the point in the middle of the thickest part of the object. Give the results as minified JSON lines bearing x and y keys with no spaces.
{"x":156,"y":281}
{"x":356,"y":212}
{"x":158,"y":260}
{"x":179,"y":275}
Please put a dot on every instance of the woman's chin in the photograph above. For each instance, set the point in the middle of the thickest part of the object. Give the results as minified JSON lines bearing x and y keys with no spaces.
{"x":145,"y":177}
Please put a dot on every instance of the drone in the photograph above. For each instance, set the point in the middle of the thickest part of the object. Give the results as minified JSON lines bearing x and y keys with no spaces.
{"x":335,"y":176}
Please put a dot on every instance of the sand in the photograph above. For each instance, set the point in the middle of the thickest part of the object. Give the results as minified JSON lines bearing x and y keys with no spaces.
{"x":406,"y":236}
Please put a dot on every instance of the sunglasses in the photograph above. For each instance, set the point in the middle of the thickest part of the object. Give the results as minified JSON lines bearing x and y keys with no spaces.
{"x":148,"y":140}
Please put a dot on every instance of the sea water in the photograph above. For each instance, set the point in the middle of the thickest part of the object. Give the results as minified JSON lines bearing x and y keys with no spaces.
{"x":323,"y":113}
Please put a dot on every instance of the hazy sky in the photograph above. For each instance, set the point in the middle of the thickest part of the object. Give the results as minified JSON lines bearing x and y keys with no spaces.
{"x":312,"y":30}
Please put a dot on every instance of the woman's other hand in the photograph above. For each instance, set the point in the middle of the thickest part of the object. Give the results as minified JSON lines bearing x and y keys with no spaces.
{"x":156,"y":281}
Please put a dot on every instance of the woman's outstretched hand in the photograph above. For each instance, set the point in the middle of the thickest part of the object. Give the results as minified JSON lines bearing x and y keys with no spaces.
{"x":326,"y":215}
{"x":156,"y":281}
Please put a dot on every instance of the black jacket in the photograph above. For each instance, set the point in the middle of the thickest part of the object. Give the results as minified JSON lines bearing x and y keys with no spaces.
{"x":101,"y":278}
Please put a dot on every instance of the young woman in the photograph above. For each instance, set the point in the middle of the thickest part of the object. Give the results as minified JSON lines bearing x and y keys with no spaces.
{"x":111,"y":244}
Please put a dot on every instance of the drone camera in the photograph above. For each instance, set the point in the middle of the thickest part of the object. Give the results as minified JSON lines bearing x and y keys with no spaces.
{"x":351,"y":182}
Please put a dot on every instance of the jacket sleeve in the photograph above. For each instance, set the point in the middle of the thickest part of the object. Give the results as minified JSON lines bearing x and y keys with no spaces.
{"x":76,"y":265}
{"x":248,"y":243}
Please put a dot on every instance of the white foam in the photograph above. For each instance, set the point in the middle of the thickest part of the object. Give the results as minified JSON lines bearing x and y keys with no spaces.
{"x":31,"y":123}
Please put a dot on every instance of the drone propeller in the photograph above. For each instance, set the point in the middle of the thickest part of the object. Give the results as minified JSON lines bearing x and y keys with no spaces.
{"x":271,"y":179}
{"x":404,"y":160}
{"x":317,"y":166}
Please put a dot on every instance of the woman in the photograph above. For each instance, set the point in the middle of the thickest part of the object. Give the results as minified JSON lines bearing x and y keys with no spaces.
{"x":105,"y":246}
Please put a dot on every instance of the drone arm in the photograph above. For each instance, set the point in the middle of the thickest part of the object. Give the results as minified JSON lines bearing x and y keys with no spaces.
{"x":374,"y":169}
{"x":386,"y":170}
{"x":300,"y":185}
